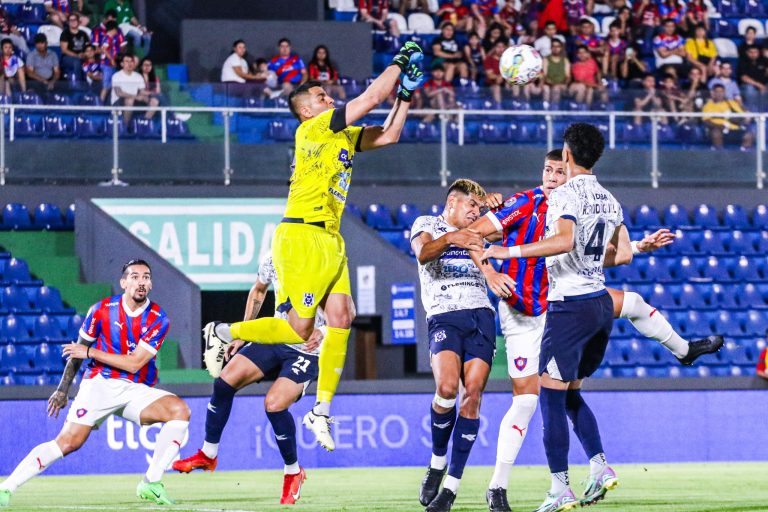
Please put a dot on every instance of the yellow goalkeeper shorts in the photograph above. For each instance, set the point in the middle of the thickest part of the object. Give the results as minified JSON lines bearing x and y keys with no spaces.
{"x":310,"y":263}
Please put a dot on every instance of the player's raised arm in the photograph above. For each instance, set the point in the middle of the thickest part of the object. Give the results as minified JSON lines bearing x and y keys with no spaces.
{"x":619,"y":250}
{"x":428,"y":249}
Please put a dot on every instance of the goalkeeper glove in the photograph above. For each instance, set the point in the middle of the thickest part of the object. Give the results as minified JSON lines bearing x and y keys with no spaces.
{"x":410,"y":53}
{"x":409,"y":82}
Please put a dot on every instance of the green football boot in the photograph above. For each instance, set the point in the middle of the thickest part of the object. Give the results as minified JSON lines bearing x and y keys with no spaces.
{"x":598,"y":486}
{"x":154,"y":491}
{"x":5,"y":498}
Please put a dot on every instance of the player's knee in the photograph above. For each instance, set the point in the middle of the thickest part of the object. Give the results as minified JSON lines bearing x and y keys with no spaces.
{"x":470,"y":400}
{"x":69,"y":443}
{"x":274,"y":404}
{"x":179,"y":410}
{"x":447,"y":390}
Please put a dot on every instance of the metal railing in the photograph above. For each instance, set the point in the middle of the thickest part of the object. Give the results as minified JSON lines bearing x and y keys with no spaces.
{"x":444,"y":118}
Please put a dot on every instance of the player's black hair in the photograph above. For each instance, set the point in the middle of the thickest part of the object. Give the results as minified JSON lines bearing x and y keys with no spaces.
{"x":283,"y":40}
{"x":585,"y":142}
{"x":5,"y":41}
{"x":260,"y":61}
{"x":234,"y":45}
{"x":549,"y":23}
{"x":110,"y":25}
{"x":614,"y":24}
{"x":555,"y":155}
{"x":135,"y":261}
{"x":300,"y":91}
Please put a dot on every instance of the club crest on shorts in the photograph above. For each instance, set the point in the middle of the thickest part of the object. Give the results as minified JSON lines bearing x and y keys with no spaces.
{"x":520,"y":363}
{"x":81,"y":412}
{"x":309,"y":299}
{"x":439,"y":336}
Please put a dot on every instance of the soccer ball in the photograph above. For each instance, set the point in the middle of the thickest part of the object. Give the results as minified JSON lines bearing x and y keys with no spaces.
{"x":520,"y":64}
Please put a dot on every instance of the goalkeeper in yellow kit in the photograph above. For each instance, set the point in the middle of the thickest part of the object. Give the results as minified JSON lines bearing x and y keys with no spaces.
{"x":308,"y":251}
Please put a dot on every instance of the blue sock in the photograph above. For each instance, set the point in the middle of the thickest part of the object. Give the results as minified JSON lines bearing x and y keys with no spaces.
{"x":555,"y":421}
{"x":584,"y":423}
{"x":464,"y":435}
{"x":442,"y":427}
{"x":285,"y":435}
{"x":219,"y":408}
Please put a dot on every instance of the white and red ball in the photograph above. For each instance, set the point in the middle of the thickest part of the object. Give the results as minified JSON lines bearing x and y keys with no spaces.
{"x":520,"y":64}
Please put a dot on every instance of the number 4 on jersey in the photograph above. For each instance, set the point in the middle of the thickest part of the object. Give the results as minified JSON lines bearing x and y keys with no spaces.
{"x":596,"y":245}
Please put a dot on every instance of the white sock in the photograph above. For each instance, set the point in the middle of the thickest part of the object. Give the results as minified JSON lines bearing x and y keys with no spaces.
{"x":512,"y":431}
{"x":167,"y":445}
{"x":291,"y":469}
{"x":322,"y":408}
{"x":222,"y":331}
{"x":597,"y":463}
{"x":211,"y":450}
{"x":36,"y":461}
{"x":438,"y":461}
{"x":559,"y":483}
{"x":452,"y":484}
{"x":652,"y":324}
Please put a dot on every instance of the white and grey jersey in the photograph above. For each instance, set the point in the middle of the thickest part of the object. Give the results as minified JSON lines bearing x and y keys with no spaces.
{"x":597,"y":214}
{"x":267,"y":275}
{"x":452,"y":282}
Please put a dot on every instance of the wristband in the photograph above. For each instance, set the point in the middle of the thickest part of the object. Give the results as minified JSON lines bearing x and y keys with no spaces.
{"x":87,"y":352}
{"x":515,"y":252}
{"x":635,"y":248}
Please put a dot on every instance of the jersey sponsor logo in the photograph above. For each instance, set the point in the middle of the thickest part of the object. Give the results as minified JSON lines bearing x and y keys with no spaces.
{"x":309,"y":299}
{"x":439,"y":336}
{"x":344,"y":158}
{"x":151,"y":335}
{"x":81,"y":412}
{"x":337,"y":195}
{"x":509,"y":219}
{"x":520,"y":363}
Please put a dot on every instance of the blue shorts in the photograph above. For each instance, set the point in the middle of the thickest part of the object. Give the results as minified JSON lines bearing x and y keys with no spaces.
{"x":282,"y":361}
{"x":470,"y":333}
{"x":575,"y":337}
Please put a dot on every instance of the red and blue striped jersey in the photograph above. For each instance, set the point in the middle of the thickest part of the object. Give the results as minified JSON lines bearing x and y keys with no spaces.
{"x":522,"y":220}
{"x":117,"y":330}
{"x":63,"y":6}
{"x":288,"y":69}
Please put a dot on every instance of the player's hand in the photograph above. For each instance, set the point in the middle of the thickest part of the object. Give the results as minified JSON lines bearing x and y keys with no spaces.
{"x":409,"y":82}
{"x":410,"y":53}
{"x":657,"y":240}
{"x":500,"y":284}
{"x":494,"y":200}
{"x":468,"y":239}
{"x":232,"y":349}
{"x":75,"y":351}
{"x":314,"y":340}
{"x":56,"y":403}
{"x":496,"y":252}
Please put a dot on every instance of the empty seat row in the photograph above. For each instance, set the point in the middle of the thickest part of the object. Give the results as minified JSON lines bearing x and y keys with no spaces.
{"x":647,"y":352}
{"x":703,"y":296}
{"x":693,"y":323}
{"x":16,"y":216}
{"x":705,"y":216}
{"x":23,"y":299}
{"x":94,"y":126}
{"x":712,"y":268}
{"x":379,"y":216}
{"x":42,"y":357}
{"x":695,"y":242}
{"x":17,"y":328}
{"x":673,"y":371}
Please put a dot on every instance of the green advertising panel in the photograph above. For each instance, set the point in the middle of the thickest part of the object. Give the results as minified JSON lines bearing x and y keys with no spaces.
{"x":218,"y":243}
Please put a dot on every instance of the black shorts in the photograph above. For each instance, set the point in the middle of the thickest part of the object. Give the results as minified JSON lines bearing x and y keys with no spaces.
{"x":282,"y":361}
{"x":575,"y":337}
{"x":470,"y":333}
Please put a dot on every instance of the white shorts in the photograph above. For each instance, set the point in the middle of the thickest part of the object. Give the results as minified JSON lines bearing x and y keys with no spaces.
{"x":99,"y":397}
{"x":522,"y":335}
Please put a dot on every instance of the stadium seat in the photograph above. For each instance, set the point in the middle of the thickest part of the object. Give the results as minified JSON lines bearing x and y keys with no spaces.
{"x":729,"y":323}
{"x":69,"y":217}
{"x":753,"y":296}
{"x":755,"y":9}
{"x":716,"y":269}
{"x":27,"y":126}
{"x":723,"y":28}
{"x":49,"y":300}
{"x":683,"y":243}
{"x":756,"y":323}
{"x":47,"y":358}
{"x":16,"y":217}
{"x":9,"y":358}
{"x":47,"y":328}
{"x":694,"y":324}
{"x":90,"y":127}
{"x":14,"y":329}
{"x":15,"y":300}
{"x":91,"y":100}
{"x":378,"y":217}
{"x":427,"y":132}
{"x":744,"y":269}
{"x":711,"y":243}
{"x":737,"y":242}
{"x":178,"y":129}
{"x":759,"y":240}
{"x":29,"y":98}
{"x":73,"y":326}
{"x":402,"y":25}
{"x":686,"y":268}
{"x":726,"y":48}
{"x":663,"y":298}
{"x":646,"y":216}
{"x":657,"y":270}
{"x":48,"y":216}
{"x":694,"y":296}
{"x":421,"y":23}
{"x":30,"y":13}
{"x":727,"y":297}
{"x":353,"y":210}
{"x":145,"y":128}
{"x":17,"y":270}
{"x":760,"y":217}
{"x":615,"y":355}
{"x":745,"y":23}
{"x":405,"y":215}
{"x":735,"y":216}
{"x":705,"y":216}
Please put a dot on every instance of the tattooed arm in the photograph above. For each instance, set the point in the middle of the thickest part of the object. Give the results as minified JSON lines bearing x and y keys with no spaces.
{"x":58,"y":399}
{"x":255,"y":300}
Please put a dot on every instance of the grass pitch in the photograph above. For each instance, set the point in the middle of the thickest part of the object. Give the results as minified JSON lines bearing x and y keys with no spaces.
{"x":719,"y":487}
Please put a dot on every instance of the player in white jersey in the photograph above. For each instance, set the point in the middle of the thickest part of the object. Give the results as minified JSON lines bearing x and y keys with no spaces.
{"x":462,"y":334}
{"x":582,"y":221}
{"x":294,"y":367}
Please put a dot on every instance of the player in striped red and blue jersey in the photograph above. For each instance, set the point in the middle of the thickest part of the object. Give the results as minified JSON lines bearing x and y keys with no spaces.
{"x":121,"y":335}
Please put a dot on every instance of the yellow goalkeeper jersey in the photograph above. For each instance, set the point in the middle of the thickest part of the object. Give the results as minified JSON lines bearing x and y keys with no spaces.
{"x":325,"y":148}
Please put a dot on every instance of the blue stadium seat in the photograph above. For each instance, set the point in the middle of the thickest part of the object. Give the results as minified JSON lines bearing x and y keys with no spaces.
{"x":14,"y":329}
{"x":759,"y":241}
{"x":695,"y":296}
{"x":615,"y":355}
{"x":353,"y":210}
{"x":90,"y":127}
{"x":624,"y":372}
{"x":58,"y":126}
{"x":9,"y":358}
{"x":756,"y":323}
{"x":91,"y":100}
{"x":49,"y":300}
{"x":435,"y":210}
{"x":30,"y":13}
{"x":624,"y":273}
{"x":121,"y":131}
{"x":705,"y":216}
{"x":427,"y":132}
{"x":406,"y":214}
{"x":17,"y":270}
{"x":658,"y":270}
{"x":711,"y":243}
{"x":729,"y":323}
{"x":760,"y":217}
{"x":754,"y":9}
{"x":48,"y":328}
{"x":27,"y":126}
{"x":683,"y":243}
{"x":145,"y":128}
{"x":378,"y":217}
{"x":753,"y":296}
{"x":694,"y":324}
{"x":723,"y":27}
{"x":642,"y":352}
{"x":48,"y":216}
{"x":663,"y":298}
{"x":743,"y":269}
{"x":735,"y":216}
{"x":676,"y":216}
{"x":178,"y":129}
{"x":73,"y":326}
{"x":726,"y":297}
{"x":495,"y":133}
{"x":69,"y":217}
{"x":716,"y":269}
{"x":15,"y":300}
{"x":16,"y":216}
{"x":48,"y":358}
{"x":646,"y":216}
{"x":737,"y":242}
{"x":686,"y":268}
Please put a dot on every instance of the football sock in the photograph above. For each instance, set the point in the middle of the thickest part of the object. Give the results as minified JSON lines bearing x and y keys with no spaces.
{"x":652,"y":324}
{"x":291,"y":469}
{"x":285,"y":435}
{"x":584,"y":423}
{"x":219,"y":407}
{"x":512,"y":431}
{"x":210,"y":450}
{"x":36,"y":461}
{"x":442,"y":428}
{"x":333,"y":352}
{"x":322,"y":408}
{"x":167,"y":447}
{"x":267,"y":330}
{"x":597,"y":463}
{"x":223,"y":331}
{"x":559,"y":482}
{"x":556,"y":438}
{"x":464,"y":435}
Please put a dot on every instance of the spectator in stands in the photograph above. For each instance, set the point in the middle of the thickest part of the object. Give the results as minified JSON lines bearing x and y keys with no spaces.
{"x":696,"y":90}
{"x":669,"y":46}
{"x":42,"y":66}
{"x":509,"y":16}
{"x":129,"y":89}
{"x":491,"y":65}
{"x":673,"y":100}
{"x":485,"y":13}
{"x":458,"y":13}
{"x":322,"y":69}
{"x":288,"y":66}
{"x":616,"y":47}
{"x":720,"y":127}
{"x":701,"y":52}
{"x":750,"y":39}
{"x":111,"y":43}
{"x":72,"y":43}
{"x":646,"y":19}
{"x":99,"y":30}
{"x":697,"y":14}
{"x":633,"y":69}
{"x":648,"y":99}
{"x":414,"y":5}
{"x":557,"y":74}
{"x":59,"y":10}
{"x":446,"y":48}
{"x":586,"y":78}
{"x":474,"y":56}
{"x":762,"y":360}
{"x":575,"y":10}
{"x":494,"y":34}
{"x":235,"y":73}
{"x":91,"y":69}
{"x":9,"y":30}
{"x":675,"y":11}
{"x":138,"y":36}
{"x":375,"y":12}
{"x":13,"y":69}
{"x":624,"y":20}
{"x":526,"y":34}
{"x":151,"y":81}
{"x":544,"y":44}
{"x":753,"y":75}
{"x":725,"y":78}
{"x":586,"y":37}
{"x":439,"y":92}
